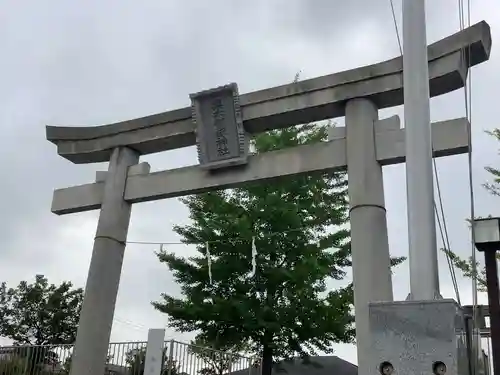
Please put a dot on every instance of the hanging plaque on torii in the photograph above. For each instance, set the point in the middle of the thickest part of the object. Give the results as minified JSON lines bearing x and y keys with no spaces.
{"x":220,"y":137}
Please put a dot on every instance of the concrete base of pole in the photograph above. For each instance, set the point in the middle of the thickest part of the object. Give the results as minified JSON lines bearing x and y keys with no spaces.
{"x":415,"y":337}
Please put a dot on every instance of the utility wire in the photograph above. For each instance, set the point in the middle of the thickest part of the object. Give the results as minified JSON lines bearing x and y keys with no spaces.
{"x":463,"y":19}
{"x":444,"y":235}
{"x":396,"y":27}
{"x":225,"y":240}
{"x":468,"y":113}
{"x":129,"y":323}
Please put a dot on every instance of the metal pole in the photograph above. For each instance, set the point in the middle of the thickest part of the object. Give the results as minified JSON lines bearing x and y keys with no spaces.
{"x":96,"y":317}
{"x":424,"y":279}
{"x":490,"y":261}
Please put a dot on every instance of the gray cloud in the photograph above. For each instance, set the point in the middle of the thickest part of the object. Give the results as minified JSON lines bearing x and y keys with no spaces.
{"x":68,"y":63}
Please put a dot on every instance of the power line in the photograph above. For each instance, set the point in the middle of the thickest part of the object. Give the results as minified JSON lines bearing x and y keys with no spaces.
{"x":129,"y":323}
{"x":396,"y":27}
{"x":225,"y":240}
{"x":444,"y":234}
{"x":468,"y":112}
{"x":443,"y":229}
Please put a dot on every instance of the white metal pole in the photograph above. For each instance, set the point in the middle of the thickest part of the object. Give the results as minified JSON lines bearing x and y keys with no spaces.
{"x":424,"y":278}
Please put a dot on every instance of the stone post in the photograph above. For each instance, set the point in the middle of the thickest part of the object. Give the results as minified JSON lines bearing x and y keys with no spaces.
{"x":154,"y":361}
{"x":369,"y":240}
{"x":96,"y":318}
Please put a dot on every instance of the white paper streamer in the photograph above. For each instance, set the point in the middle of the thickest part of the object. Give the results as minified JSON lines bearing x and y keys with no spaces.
{"x":209,"y":261}
{"x":254,"y":256}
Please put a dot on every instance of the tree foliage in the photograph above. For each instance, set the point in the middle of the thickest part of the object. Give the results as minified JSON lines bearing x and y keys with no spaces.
{"x":470,"y":268}
{"x":299,"y":227}
{"x":32,"y":360}
{"x":494,"y":186}
{"x":12,"y":365}
{"x":218,"y":359}
{"x":66,"y":363}
{"x":40,"y":313}
{"x":136,"y":361}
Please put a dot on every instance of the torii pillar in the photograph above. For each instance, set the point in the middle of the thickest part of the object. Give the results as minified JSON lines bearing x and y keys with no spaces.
{"x":367,"y":217}
{"x":217,"y":122}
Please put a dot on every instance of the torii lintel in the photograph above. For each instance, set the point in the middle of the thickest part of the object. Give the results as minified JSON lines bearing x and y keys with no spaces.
{"x":449,"y":138}
{"x":283,"y":106}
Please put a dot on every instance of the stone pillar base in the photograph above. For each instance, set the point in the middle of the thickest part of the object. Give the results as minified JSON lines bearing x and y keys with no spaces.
{"x":416,"y":336}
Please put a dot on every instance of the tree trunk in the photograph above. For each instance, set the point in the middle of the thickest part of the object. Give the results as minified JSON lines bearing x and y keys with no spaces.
{"x":267,"y":360}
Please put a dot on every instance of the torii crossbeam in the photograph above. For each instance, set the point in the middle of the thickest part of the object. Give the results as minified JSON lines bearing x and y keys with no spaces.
{"x":362,"y":147}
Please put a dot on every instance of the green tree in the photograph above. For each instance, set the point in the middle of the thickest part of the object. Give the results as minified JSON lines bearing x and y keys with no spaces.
{"x":28,"y":360}
{"x":300,"y":227}
{"x":40,"y":313}
{"x":469,"y":270}
{"x":12,"y":366}
{"x":136,"y":361}
{"x":469,"y":267}
{"x":66,"y":366}
{"x":494,"y":186}
{"x":218,"y":359}
{"x":68,"y":360}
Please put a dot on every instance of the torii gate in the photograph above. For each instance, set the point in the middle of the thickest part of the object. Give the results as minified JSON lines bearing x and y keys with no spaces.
{"x":363,"y":147}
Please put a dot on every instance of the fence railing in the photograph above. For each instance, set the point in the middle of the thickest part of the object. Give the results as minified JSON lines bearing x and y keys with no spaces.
{"x":127,"y":358}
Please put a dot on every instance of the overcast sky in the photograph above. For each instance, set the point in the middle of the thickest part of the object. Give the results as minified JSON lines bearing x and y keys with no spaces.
{"x":96,"y":62}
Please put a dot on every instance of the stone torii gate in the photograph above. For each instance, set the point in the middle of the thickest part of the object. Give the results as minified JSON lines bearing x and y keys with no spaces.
{"x":219,"y":122}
